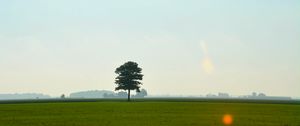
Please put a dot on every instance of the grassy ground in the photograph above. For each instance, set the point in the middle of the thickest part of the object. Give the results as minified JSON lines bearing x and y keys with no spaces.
{"x":149,"y":113}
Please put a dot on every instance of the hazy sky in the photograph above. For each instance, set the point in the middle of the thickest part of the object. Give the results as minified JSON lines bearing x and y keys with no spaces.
{"x":187,"y":47}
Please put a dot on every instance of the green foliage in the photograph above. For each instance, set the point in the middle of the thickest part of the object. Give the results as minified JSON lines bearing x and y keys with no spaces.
{"x":128,"y":77}
{"x":147,"y":114}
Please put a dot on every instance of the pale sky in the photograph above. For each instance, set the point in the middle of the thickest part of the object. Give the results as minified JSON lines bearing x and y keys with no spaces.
{"x":185,"y":47}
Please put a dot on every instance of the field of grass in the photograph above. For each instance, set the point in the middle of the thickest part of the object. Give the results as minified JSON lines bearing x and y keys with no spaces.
{"x":149,"y":113}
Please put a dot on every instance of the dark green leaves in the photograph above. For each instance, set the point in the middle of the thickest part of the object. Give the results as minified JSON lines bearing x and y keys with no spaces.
{"x":128,"y":77}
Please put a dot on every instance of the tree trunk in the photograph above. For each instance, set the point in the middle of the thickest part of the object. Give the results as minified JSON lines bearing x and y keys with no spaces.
{"x":128,"y":95}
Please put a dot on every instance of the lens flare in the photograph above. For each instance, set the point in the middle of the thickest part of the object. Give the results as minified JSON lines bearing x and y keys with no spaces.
{"x":207,"y":63}
{"x":227,"y":119}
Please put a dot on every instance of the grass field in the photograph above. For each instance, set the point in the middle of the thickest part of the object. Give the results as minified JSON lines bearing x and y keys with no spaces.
{"x":149,"y":113}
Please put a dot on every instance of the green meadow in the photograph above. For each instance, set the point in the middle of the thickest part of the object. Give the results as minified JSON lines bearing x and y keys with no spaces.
{"x":148,"y":113}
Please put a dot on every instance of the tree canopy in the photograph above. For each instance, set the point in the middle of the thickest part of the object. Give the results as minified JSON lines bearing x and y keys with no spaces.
{"x":129,"y":76}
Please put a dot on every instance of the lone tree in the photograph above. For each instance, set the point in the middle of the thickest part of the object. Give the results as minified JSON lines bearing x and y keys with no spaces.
{"x":128,"y":77}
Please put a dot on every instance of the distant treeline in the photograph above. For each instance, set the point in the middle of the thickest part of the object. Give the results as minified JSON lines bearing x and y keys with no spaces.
{"x":24,"y":96}
{"x":81,"y":94}
{"x":106,"y":94}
